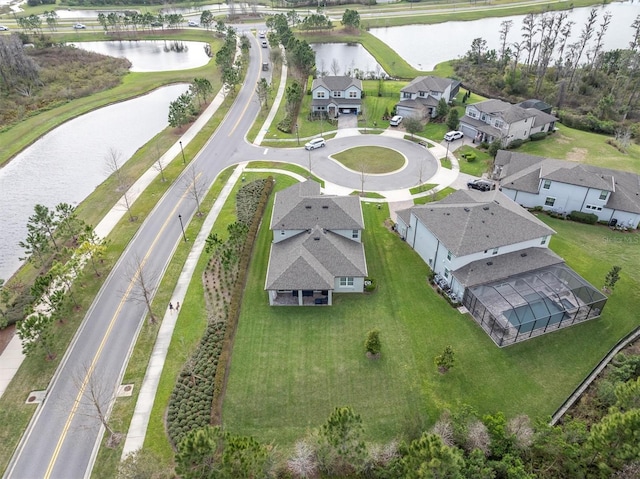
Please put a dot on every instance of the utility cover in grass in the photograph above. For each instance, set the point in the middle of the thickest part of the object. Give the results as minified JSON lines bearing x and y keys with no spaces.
{"x":371,"y":159}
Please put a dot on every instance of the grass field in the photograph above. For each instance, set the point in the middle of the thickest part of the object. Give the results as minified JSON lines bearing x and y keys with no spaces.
{"x":291,"y":366}
{"x":371,"y":159}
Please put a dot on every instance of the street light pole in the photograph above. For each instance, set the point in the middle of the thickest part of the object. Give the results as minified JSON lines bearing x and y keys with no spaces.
{"x":184,"y":162}
{"x":297,"y":134}
{"x":182,"y":227}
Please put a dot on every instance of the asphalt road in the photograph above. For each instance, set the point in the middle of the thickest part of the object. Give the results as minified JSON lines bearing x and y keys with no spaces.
{"x":63,"y":436}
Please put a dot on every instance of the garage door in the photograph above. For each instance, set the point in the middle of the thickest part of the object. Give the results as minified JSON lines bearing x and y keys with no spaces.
{"x":468,"y":130}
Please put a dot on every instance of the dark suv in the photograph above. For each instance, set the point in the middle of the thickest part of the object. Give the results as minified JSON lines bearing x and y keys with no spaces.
{"x":482,"y":185}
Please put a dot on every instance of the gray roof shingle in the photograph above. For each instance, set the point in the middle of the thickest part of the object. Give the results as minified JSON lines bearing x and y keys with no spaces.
{"x":302,"y":207}
{"x":336,"y":83}
{"x":312,"y":260}
{"x":503,"y":266}
{"x":469,"y":221}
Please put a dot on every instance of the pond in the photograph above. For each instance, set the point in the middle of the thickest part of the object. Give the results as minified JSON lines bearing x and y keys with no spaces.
{"x":87,"y":14}
{"x":153,"y":55}
{"x":450,"y":40}
{"x":68,"y":163}
{"x":345,"y":59}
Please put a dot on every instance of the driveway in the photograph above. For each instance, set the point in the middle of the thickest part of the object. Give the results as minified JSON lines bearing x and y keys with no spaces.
{"x":347,"y":121}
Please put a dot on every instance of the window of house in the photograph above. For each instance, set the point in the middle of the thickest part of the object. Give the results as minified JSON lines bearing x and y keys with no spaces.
{"x":346,"y":281}
{"x":603,"y":195}
{"x":446,"y":272}
{"x":449,"y":255}
{"x":547,"y":184}
{"x":544,"y":240}
{"x":472,"y":114}
{"x":499,"y":123}
{"x":353,"y":94}
{"x":337,"y":93}
{"x":549,"y":201}
{"x":423,"y":94}
{"x":495,"y":251}
{"x":320,"y":94}
{"x":281,"y":232}
{"x":593,"y":207}
{"x":406,"y":95}
{"x":355,"y":234}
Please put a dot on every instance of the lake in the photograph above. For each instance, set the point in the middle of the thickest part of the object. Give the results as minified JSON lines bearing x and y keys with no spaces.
{"x":345,"y":58}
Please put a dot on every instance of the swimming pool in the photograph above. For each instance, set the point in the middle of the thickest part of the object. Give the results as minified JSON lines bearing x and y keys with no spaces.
{"x":535,"y":315}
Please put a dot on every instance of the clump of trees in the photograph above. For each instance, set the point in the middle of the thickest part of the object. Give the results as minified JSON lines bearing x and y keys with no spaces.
{"x":183,"y":110}
{"x":593,"y":89}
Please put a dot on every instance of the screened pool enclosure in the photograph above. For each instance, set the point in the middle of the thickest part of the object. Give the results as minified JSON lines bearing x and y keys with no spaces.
{"x":533,"y":303}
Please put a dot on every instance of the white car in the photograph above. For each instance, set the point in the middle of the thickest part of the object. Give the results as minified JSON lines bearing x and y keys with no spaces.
{"x":395,"y":121}
{"x":315,"y":143}
{"x":191,"y":23}
{"x":262,"y":34}
{"x":79,"y":26}
{"x":3,"y":28}
{"x":453,"y":135}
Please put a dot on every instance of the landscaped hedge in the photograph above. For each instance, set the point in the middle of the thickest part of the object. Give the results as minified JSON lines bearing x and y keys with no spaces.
{"x":541,"y":135}
{"x":580,"y":217}
{"x":197,"y":397}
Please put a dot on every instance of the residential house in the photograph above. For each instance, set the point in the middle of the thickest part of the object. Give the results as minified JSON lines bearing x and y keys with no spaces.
{"x":495,"y":119}
{"x":317,"y":246}
{"x":336,"y":94}
{"x":566,"y":186}
{"x":420,"y":97}
{"x":494,"y":256}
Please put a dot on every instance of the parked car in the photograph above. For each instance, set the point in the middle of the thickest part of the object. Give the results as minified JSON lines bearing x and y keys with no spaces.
{"x":315,"y":143}
{"x":453,"y":135}
{"x":395,"y":121}
{"x":191,"y":23}
{"x":3,"y":28}
{"x":79,"y":26}
{"x":482,"y":185}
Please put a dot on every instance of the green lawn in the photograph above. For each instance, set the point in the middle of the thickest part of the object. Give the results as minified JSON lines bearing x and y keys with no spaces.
{"x":371,"y":159}
{"x":585,"y":147}
{"x":291,"y":365}
{"x":477,"y":167}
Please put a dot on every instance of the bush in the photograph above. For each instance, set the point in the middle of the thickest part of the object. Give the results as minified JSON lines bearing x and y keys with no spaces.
{"x":541,"y":135}
{"x":372,"y":344}
{"x":369,"y":285}
{"x":470,"y":157}
{"x":515,"y":144}
{"x":580,"y":217}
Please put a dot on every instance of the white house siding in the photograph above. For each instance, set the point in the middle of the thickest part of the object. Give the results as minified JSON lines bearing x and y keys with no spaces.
{"x":425,"y":244}
{"x":630,"y":220}
{"x":349,"y":234}
{"x":281,"y":235}
{"x":519,"y":130}
{"x":358,"y":286}
{"x":327,"y":93}
{"x":352,"y":88}
{"x":401,"y":228}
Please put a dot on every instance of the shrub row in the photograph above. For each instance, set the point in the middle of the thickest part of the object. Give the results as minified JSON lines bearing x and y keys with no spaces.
{"x":587,"y":122}
{"x":222,"y":370}
{"x":580,"y":217}
{"x":197,"y":395}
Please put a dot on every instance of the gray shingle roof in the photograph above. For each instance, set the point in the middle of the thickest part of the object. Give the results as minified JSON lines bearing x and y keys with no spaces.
{"x":517,"y":170}
{"x":513,"y":113}
{"x":336,"y":101}
{"x":470,"y":221}
{"x":429,"y":83}
{"x":481,"y":126}
{"x":502,"y":266}
{"x":302,"y":207}
{"x":336,"y":83}
{"x":311,"y":260}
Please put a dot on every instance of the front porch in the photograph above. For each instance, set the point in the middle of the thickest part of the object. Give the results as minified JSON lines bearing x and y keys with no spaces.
{"x":300,"y":297}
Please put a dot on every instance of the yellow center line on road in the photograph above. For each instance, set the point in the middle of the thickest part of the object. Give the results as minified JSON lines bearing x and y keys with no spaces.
{"x":246,"y":106}
{"x":96,"y":357}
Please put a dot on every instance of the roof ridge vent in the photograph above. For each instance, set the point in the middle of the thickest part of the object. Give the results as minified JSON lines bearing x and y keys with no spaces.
{"x":308,"y":207}
{"x":325,"y":207}
{"x":466,"y":209}
{"x":523,"y":255}
{"x":316,"y":238}
{"x":489,"y":263}
{"x":486,"y":208}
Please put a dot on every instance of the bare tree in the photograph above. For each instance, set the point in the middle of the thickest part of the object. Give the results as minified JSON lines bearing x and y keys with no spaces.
{"x":113,"y":164}
{"x":196,"y":186}
{"x":143,"y":285}
{"x":594,"y":53}
{"x":363,"y":176}
{"x":422,"y":165}
{"x":505,"y":27}
{"x":96,"y":400}
{"x":335,"y":67}
{"x":520,"y":428}
{"x":585,"y":36}
{"x":478,"y":438}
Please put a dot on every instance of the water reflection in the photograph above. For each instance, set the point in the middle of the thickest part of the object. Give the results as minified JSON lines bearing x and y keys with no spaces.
{"x":153,"y":55}
{"x":447,"y":41}
{"x":346,"y":59}
{"x":68,"y":163}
